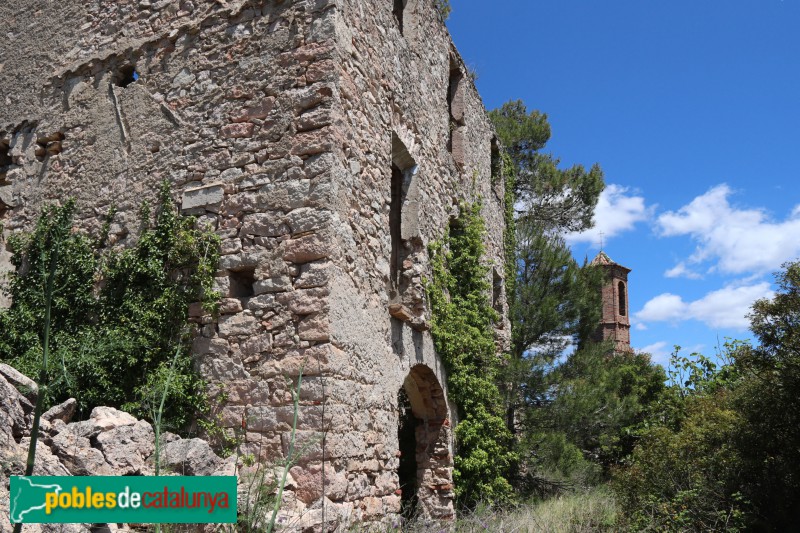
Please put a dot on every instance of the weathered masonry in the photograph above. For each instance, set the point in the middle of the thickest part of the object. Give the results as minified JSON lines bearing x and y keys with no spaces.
{"x":615,"y":323}
{"x":328,"y":142}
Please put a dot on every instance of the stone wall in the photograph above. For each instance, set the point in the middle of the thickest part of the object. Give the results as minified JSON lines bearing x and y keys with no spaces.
{"x":278,"y":124}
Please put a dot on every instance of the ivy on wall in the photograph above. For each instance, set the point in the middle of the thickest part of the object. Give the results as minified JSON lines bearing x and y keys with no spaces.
{"x":118,"y":316}
{"x":462,"y":318}
{"x":509,"y":174}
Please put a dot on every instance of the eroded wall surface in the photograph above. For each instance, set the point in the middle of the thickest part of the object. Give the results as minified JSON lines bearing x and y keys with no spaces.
{"x":278,"y":124}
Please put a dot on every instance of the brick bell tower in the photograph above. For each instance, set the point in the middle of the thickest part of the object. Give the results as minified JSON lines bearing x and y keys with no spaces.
{"x":615,"y":322}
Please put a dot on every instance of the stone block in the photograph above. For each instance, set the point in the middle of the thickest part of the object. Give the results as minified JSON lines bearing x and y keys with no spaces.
{"x":259,"y":110}
{"x":276,"y":284}
{"x":264,"y":225}
{"x":314,"y":328}
{"x":284,"y":195}
{"x":305,"y":301}
{"x":208,"y":195}
{"x":308,"y":219}
{"x":307,"y":248}
{"x":240,"y":324}
{"x":237,"y":130}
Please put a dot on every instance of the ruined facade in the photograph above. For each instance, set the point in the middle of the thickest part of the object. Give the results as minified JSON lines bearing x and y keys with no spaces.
{"x":327,"y":142}
{"x":615,"y":322}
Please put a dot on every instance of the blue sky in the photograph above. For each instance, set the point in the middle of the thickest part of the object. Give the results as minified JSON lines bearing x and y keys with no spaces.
{"x":692,"y":108}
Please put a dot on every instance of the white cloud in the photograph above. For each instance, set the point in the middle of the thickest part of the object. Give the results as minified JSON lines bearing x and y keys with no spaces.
{"x":658,"y":352}
{"x":681,"y":270}
{"x":617,"y":211}
{"x":736,"y":240}
{"x":723,"y":308}
{"x":664,"y":307}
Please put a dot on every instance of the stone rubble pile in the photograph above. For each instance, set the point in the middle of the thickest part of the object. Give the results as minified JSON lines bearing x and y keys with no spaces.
{"x":109,"y":443}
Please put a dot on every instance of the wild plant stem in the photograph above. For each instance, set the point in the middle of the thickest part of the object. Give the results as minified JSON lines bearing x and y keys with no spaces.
{"x":289,"y":456}
{"x":43,"y":375}
{"x":157,"y":417}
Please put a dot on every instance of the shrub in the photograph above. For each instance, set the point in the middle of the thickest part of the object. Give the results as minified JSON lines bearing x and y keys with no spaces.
{"x":118,"y":316}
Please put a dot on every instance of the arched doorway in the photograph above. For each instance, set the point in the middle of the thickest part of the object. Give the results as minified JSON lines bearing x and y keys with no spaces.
{"x":425,"y":469}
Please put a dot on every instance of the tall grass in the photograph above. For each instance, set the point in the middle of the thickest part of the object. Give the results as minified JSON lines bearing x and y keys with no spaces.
{"x":579,"y":512}
{"x":43,"y":373}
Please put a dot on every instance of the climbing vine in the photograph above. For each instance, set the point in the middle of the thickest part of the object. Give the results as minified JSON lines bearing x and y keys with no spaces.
{"x":462,"y":318}
{"x":118,"y":316}
{"x":510,"y":229}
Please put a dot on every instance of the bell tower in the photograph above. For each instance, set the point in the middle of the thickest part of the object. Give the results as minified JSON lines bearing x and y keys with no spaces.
{"x":615,"y":322}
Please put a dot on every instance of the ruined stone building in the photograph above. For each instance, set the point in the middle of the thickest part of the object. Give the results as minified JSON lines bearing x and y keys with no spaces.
{"x":615,"y":323}
{"x":328,"y":142}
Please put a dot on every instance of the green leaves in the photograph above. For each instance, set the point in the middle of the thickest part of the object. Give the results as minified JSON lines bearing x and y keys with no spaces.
{"x":722,"y":451}
{"x":552,"y":198}
{"x":462,"y":319}
{"x":118,"y":315}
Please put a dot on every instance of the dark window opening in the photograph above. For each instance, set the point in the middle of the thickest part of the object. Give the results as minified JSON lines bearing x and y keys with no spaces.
{"x":403,"y":168}
{"x":455,"y":105}
{"x":496,"y":166}
{"x":5,"y":159}
{"x":622,"y":299}
{"x":397,"y":10}
{"x":497,"y":292}
{"x":452,"y":89}
{"x":395,"y":222}
{"x":241,"y":283}
{"x":126,"y":76}
{"x":407,"y":470}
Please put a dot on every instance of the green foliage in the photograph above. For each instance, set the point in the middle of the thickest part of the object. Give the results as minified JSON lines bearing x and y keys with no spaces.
{"x":508,"y":172}
{"x":443,"y":7}
{"x":554,"y":296}
{"x":587,"y":420}
{"x":601,"y":401}
{"x":462,"y":332}
{"x":118,"y":316}
{"x":553,"y":198}
{"x":722,"y":452}
{"x":689,"y":479}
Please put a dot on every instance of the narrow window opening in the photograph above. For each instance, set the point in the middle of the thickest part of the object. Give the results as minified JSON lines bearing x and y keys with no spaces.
{"x":622,"y":299}
{"x":407,"y":470}
{"x":398,"y":7}
{"x":241,"y":283}
{"x":455,"y":108}
{"x":497,"y":292}
{"x":395,"y":221}
{"x":496,"y":168}
{"x":403,"y":167}
{"x":126,"y":76}
{"x":5,"y":159}
{"x":452,"y":89}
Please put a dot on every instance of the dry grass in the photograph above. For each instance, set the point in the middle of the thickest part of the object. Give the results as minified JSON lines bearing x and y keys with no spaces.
{"x":581,"y":512}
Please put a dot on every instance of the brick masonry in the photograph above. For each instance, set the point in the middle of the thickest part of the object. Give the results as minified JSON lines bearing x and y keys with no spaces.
{"x":615,"y":323}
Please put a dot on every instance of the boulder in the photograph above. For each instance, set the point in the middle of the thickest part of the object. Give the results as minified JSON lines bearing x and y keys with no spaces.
{"x":13,"y":420}
{"x":126,"y":448}
{"x":21,"y":382}
{"x":63,"y":411}
{"x":105,"y":418}
{"x":190,"y":457}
